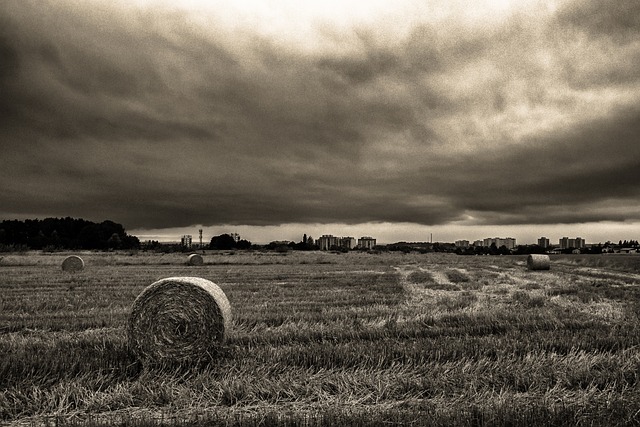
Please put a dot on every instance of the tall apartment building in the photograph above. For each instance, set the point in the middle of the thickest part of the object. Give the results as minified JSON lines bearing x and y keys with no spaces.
{"x":186,"y":240}
{"x":566,"y":243}
{"x":508,"y":242}
{"x":327,"y":241}
{"x":366,"y":242}
{"x":347,"y":242}
{"x":543,"y":242}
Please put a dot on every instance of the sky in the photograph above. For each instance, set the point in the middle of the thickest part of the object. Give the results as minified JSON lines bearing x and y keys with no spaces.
{"x":461,"y":119}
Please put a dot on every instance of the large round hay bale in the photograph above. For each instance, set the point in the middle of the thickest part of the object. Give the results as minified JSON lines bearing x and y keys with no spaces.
{"x":178,"y":319}
{"x":72,"y":263}
{"x":195,"y":259}
{"x":538,"y":262}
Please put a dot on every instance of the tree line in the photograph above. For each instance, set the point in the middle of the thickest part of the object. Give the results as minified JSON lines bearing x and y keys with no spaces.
{"x":64,"y":233}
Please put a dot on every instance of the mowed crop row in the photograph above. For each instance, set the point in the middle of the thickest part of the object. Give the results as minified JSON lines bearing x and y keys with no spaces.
{"x":327,"y":339}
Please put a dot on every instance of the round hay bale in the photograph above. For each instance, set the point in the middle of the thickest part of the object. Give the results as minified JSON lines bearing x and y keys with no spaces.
{"x":538,"y":262}
{"x":195,"y":259}
{"x":178,"y":319}
{"x":72,"y":263}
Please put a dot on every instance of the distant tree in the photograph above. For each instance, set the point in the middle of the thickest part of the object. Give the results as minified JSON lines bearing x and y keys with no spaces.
{"x":282,"y":248}
{"x":306,"y":244}
{"x":596,"y":249}
{"x":130,"y":242}
{"x":463,"y":251}
{"x":68,"y":233}
{"x":243,"y":244}
{"x":503,"y":250}
{"x":89,"y":236}
{"x":114,"y":242}
{"x":529,"y":249}
{"x":150,"y":244}
{"x":54,"y":239}
{"x":222,"y":242}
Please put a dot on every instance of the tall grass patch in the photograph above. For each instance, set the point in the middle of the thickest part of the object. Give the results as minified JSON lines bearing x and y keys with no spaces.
{"x":457,"y":276}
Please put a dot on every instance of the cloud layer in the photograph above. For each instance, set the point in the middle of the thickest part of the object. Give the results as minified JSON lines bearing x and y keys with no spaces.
{"x":160,"y":117}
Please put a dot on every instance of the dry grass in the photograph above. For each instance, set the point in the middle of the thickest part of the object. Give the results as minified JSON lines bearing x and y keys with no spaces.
{"x":329,"y":339}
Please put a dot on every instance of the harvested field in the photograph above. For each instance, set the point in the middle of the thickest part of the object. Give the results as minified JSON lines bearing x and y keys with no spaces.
{"x":330,"y":339}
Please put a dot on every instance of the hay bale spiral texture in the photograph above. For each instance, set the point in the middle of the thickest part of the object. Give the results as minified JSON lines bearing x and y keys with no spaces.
{"x":195,"y":259}
{"x":538,"y":262}
{"x":72,"y":263}
{"x":178,"y":319}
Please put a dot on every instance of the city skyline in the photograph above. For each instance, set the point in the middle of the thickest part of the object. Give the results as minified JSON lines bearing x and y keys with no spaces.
{"x":381,"y":233}
{"x":393,"y":119}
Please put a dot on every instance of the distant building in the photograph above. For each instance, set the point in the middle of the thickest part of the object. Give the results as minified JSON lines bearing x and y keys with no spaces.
{"x":347,"y":242}
{"x":477,"y":243}
{"x":566,"y":243}
{"x":543,"y":242}
{"x":327,"y":241}
{"x":186,"y":240}
{"x":366,"y":242}
{"x":462,"y":243}
{"x":508,"y":242}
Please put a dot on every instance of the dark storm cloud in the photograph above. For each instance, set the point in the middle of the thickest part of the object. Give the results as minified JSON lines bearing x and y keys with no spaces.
{"x":146,"y":117}
{"x":556,"y":177}
{"x":610,"y":29}
{"x":615,"y":19}
{"x":72,"y":78}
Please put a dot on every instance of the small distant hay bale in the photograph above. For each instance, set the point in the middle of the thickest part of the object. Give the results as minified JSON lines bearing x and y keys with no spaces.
{"x":72,"y":264}
{"x":178,"y":319}
{"x":195,"y":259}
{"x":538,"y":262}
